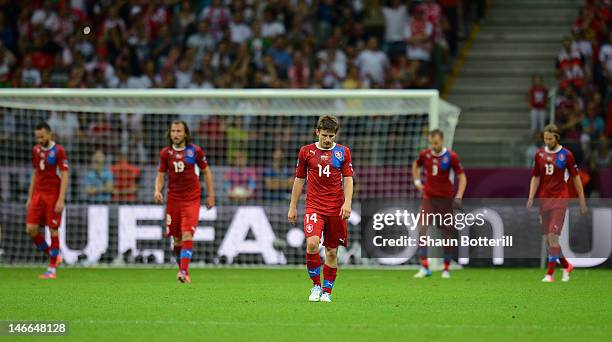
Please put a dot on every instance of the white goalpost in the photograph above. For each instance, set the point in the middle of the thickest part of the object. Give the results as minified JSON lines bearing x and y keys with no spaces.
{"x":251,"y":137}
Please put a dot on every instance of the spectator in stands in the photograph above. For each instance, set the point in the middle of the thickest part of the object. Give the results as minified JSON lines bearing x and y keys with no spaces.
{"x":8,"y":129}
{"x":396,"y":19}
{"x":299,"y":72}
{"x":537,"y":98}
{"x":603,"y":155}
{"x":65,"y":126}
{"x":278,"y":179}
{"x":419,"y":36}
{"x":281,"y":56}
{"x":241,"y":32}
{"x":240,"y":180}
{"x":605,"y":58}
{"x":270,"y":27}
{"x":352,"y":80}
{"x":98,"y":180}
{"x":125,"y":179}
{"x":372,"y":62}
{"x":203,"y":40}
{"x":332,"y":65}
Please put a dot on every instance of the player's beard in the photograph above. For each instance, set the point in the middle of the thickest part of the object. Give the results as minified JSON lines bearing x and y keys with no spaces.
{"x":181,"y":143}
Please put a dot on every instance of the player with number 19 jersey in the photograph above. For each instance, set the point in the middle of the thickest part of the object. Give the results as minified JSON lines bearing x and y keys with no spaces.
{"x":183,"y":166}
{"x":324,"y":169}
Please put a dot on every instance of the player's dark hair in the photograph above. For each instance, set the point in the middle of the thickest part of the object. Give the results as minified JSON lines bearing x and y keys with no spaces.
{"x":43,"y":125}
{"x":185,"y":127}
{"x":436,"y":132}
{"x":554,"y":130}
{"x":328,"y":123}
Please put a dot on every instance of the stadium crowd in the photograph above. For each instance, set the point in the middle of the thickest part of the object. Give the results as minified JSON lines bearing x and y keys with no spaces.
{"x":226,"y":44}
{"x":583,"y":107}
{"x":217,"y":44}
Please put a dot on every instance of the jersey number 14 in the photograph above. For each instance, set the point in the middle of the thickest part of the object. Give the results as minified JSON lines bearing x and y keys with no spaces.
{"x":324,"y":170}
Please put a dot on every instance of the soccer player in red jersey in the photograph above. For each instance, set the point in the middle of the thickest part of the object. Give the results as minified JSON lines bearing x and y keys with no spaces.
{"x":183,"y":161}
{"x":440,"y":166}
{"x":46,"y":195}
{"x":553,"y":166}
{"x":329,"y":170}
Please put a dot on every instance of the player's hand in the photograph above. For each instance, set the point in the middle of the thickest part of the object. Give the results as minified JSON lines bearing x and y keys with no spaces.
{"x":583,"y":208}
{"x":159,"y":198}
{"x":419,"y":187}
{"x":59,"y":206}
{"x":457,"y":202}
{"x":210,"y":202}
{"x":345,"y":211}
{"x":292,"y":215}
{"x":529,"y":203}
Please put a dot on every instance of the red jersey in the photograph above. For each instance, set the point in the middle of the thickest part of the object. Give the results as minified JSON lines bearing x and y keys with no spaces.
{"x":440,"y":170}
{"x":324,"y":169}
{"x":125,"y":176}
{"x":537,"y":96}
{"x":183,"y":166}
{"x":47,"y":163}
{"x":554,"y":169}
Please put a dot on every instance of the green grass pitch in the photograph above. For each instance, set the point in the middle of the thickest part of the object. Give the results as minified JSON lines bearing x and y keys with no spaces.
{"x":271,"y":304}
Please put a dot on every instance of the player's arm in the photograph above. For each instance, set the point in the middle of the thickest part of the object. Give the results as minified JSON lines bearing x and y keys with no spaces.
{"x":460,"y":172}
{"x":533,"y":188}
{"x":31,"y":188}
{"x":159,"y":185}
{"x":210,"y":188}
{"x":64,"y":178}
{"x":61,"y":199}
{"x":416,"y":175}
{"x":345,"y":212}
{"x":580,"y":191}
{"x":296,"y":192}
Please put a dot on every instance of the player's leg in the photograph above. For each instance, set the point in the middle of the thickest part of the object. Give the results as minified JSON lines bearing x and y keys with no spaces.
{"x":186,"y":254}
{"x":330,"y":269}
{"x":335,"y":233}
{"x":447,"y":233}
{"x":190,"y":213}
{"x":422,"y":250}
{"x":557,"y":222}
{"x":176,"y":248}
{"x":313,"y":228}
{"x":549,"y":225}
{"x":35,"y":223}
{"x":53,"y":222}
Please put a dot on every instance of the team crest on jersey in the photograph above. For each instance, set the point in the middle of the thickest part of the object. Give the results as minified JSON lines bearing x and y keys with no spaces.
{"x":548,"y":158}
{"x":309,"y":228}
{"x":445,"y":159}
{"x":178,"y":156}
{"x":324,"y":157}
{"x":561,"y":157}
{"x":189,"y":153}
{"x":338,"y":154}
{"x":51,"y":154}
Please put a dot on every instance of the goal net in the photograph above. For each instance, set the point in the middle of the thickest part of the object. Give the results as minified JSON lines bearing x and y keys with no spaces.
{"x":251,"y":138}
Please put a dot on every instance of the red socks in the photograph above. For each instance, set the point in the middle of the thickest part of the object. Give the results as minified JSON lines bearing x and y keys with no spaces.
{"x":54,"y":251}
{"x":313,"y":264}
{"x":564,"y":262}
{"x":553,"y":256}
{"x":424,"y":262}
{"x":329,"y":277}
{"x":186,"y":252}
{"x":177,"y":254}
{"x":41,"y":244}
